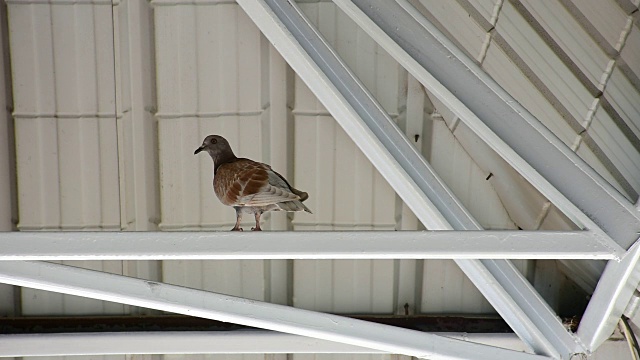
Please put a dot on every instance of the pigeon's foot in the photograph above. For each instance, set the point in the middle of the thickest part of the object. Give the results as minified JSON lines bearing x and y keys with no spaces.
{"x":238,"y":229}
{"x":257,"y":215}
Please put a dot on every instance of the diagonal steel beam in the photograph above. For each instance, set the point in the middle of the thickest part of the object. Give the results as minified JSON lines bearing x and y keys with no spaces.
{"x":522,"y":141}
{"x":303,"y":245}
{"x":181,"y":300}
{"x":354,"y":108}
{"x":585,"y":273}
{"x":525,"y":143}
{"x":391,"y":153}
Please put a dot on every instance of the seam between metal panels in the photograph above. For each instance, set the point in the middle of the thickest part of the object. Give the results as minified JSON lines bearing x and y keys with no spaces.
{"x":491,"y":138}
{"x":68,"y":115}
{"x":627,"y":6}
{"x":168,"y":115}
{"x":626,"y":70}
{"x":588,"y":140}
{"x":475,"y":14}
{"x":581,"y":130}
{"x":589,"y":27}
{"x":575,"y":125}
{"x":122,"y":194}
{"x":591,"y":87}
{"x":556,"y":48}
{"x":584,"y":80}
{"x":619,"y":226}
{"x":155,"y":3}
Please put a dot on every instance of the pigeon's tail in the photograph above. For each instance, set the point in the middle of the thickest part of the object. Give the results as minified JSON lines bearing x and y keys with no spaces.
{"x":303,"y":195}
{"x":294,"y":205}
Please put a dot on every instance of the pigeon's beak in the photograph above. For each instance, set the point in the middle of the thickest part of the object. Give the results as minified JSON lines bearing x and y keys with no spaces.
{"x":198,"y":149}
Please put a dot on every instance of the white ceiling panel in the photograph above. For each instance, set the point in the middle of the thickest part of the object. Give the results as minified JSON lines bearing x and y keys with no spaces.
{"x":543,"y":62}
{"x":65,"y":126}
{"x":572,"y":38}
{"x":605,"y":16}
{"x":630,"y":54}
{"x":468,"y":33}
{"x":624,"y":97}
{"x":344,"y":286}
{"x":244,"y":278}
{"x":507,"y":74}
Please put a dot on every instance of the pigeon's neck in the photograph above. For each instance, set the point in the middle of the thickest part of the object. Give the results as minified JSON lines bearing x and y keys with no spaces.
{"x":221,"y":159}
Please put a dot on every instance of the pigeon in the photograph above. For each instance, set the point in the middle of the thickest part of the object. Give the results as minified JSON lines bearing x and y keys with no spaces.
{"x":247,"y":185}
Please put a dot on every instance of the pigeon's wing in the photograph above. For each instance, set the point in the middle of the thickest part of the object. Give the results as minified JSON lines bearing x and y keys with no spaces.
{"x":276,"y":190}
{"x":301,"y":194}
{"x":248,"y":183}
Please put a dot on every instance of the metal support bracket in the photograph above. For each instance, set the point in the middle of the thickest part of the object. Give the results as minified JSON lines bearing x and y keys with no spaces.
{"x":613,"y":293}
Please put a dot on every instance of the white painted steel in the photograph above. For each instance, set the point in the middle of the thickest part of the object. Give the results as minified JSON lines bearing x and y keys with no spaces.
{"x":180,"y":300}
{"x":304,"y":245}
{"x":520,"y":305}
{"x":610,"y":299}
{"x":203,"y":342}
{"x":525,"y":169}
{"x":445,"y":95}
{"x":325,"y":87}
{"x":376,"y":135}
{"x":482,"y":104}
{"x":170,"y":342}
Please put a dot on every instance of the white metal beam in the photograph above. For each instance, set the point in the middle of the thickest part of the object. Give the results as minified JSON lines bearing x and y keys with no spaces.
{"x":417,"y":63}
{"x":610,"y":299}
{"x":405,"y":169}
{"x":525,"y":143}
{"x":303,"y":245}
{"x":181,"y":300}
{"x":520,"y":305}
{"x":203,"y":342}
{"x":353,"y":107}
{"x":170,"y":342}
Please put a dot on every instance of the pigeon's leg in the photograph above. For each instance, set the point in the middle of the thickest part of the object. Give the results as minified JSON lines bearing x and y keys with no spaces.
{"x":257,"y":214}
{"x":238,"y":218}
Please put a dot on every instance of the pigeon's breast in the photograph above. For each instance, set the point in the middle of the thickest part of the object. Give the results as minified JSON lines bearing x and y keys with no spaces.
{"x":237,"y":181}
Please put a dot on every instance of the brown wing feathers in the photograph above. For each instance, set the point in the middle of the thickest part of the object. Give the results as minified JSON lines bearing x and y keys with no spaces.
{"x":235,"y":180}
{"x":246,"y":182}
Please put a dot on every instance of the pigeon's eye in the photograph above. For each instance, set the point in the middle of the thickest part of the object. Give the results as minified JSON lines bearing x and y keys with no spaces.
{"x":214,"y":141}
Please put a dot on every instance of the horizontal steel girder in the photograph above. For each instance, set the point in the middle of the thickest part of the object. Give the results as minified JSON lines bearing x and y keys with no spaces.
{"x":303,"y":245}
{"x":203,"y":342}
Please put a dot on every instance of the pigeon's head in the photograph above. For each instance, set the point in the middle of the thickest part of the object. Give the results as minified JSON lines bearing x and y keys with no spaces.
{"x":217,"y":146}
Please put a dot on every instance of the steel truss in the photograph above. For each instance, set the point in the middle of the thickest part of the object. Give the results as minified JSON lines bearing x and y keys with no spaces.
{"x":568,"y":182}
{"x":181,"y":300}
{"x":305,"y":245}
{"x":535,"y":152}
